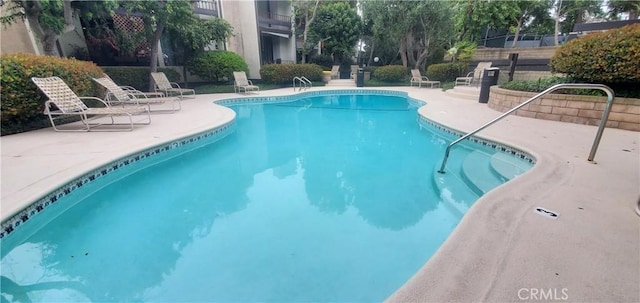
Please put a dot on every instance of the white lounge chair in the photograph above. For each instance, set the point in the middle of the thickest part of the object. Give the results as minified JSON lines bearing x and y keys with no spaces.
{"x":116,"y":95}
{"x":335,"y":72}
{"x":241,"y":83}
{"x":162,"y":84}
{"x":354,"y":72}
{"x":418,"y":78}
{"x":474,"y":76}
{"x":67,"y":103}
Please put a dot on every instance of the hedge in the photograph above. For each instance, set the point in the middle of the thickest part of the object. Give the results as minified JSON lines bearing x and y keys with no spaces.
{"x":446,"y":72}
{"x":23,"y":103}
{"x":284,"y":73}
{"x":217,"y":66}
{"x":391,"y":73}
{"x":138,"y":76}
{"x":606,"y":57}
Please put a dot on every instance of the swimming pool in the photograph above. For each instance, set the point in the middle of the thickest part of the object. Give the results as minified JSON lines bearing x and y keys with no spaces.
{"x":301,"y":203}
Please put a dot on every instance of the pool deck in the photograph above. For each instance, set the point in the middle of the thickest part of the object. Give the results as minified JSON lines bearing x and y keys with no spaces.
{"x":502,"y":251}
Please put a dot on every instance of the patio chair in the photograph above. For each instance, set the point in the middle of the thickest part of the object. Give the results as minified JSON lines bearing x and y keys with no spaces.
{"x":335,"y":72}
{"x":354,"y":71}
{"x":130,"y":96}
{"x":416,"y":77}
{"x":68,"y":104}
{"x":162,"y":84}
{"x":474,"y":76}
{"x":241,"y":83}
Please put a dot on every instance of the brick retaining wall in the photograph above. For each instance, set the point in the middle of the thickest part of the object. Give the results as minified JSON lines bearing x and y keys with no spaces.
{"x":625,"y":112}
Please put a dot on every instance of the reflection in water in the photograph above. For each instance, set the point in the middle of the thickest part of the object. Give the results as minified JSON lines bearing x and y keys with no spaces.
{"x":308,"y":201}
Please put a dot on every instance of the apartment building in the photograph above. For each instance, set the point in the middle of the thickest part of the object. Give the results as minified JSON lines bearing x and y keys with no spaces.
{"x":263,"y":32}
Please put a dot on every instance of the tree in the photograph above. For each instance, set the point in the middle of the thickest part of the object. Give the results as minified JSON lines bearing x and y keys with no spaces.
{"x":418,"y":29}
{"x":338,"y":24}
{"x":571,"y":12}
{"x":528,"y":9}
{"x":474,"y":16}
{"x":631,"y":7}
{"x":157,"y":16}
{"x":305,"y":12}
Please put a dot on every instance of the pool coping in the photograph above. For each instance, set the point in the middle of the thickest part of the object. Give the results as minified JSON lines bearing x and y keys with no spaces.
{"x":495,"y":226}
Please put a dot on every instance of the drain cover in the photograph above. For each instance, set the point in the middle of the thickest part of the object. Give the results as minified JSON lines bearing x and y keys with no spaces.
{"x":545,"y":212}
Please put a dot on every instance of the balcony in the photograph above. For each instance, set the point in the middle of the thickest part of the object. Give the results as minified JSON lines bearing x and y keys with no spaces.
{"x":206,"y":7}
{"x":274,"y":22}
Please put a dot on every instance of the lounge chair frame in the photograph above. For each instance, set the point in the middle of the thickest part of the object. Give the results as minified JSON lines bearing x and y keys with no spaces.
{"x":67,"y":103}
{"x":335,"y":72}
{"x":241,"y":83}
{"x":116,"y":95}
{"x":168,"y":88}
{"x":418,"y":78}
{"x":474,"y":76}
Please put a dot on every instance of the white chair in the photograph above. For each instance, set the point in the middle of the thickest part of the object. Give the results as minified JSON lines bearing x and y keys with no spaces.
{"x":474,"y":76}
{"x":131,"y":96}
{"x":418,"y":78}
{"x":162,"y":84}
{"x":241,"y":83}
{"x":67,"y":103}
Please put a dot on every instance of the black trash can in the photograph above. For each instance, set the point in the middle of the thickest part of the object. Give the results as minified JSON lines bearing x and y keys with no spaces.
{"x":360,"y":78}
{"x":489,"y":78}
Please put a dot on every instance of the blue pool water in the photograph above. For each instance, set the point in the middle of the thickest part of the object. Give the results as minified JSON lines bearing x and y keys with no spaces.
{"x":328,"y":198}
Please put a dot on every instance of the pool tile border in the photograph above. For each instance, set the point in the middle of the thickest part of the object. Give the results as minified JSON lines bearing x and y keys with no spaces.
{"x":14,"y":222}
{"x":487,"y":143}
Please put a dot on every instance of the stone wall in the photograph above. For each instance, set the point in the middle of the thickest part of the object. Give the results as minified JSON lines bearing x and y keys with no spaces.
{"x":489,"y":54}
{"x":625,"y":112}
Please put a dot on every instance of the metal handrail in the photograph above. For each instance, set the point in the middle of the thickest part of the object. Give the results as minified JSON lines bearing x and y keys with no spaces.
{"x":303,"y":81}
{"x":299,"y":80}
{"x":596,"y":142}
{"x":307,"y":81}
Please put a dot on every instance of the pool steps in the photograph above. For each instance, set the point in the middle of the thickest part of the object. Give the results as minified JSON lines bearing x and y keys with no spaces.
{"x":479,"y":173}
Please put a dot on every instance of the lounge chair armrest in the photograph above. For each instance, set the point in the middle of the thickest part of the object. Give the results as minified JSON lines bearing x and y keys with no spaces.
{"x":95,"y":99}
{"x":175,"y":85}
{"x":249,"y":81}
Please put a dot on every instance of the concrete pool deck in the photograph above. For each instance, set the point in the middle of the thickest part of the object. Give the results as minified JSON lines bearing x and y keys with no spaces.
{"x":502,"y":251}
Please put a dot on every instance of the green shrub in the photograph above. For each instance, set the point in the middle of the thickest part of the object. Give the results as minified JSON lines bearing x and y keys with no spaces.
{"x":23,"y":103}
{"x":446,"y":72}
{"x":620,"y":89}
{"x":138,"y":76}
{"x":217,"y":66}
{"x":325,"y":61}
{"x":391,"y":73}
{"x":606,"y":57}
{"x":284,"y":73}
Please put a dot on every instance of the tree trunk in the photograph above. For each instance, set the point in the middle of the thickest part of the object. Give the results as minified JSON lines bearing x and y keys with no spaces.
{"x":557,"y":26}
{"x":305,"y":33}
{"x":403,"y":51}
{"x":153,"y":57}
{"x":515,"y":38}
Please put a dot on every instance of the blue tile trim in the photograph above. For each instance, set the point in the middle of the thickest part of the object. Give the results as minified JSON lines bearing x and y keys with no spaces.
{"x":291,"y":98}
{"x":14,"y":222}
{"x":487,"y":143}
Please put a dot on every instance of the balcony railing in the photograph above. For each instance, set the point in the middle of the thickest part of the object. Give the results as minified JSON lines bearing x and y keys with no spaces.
{"x":206,"y":7}
{"x":273,"y":18}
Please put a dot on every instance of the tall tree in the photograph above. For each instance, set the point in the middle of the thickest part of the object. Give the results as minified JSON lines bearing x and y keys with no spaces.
{"x":528,"y":9}
{"x":569,"y":12}
{"x":339,"y":26}
{"x":417,"y":28}
{"x":157,"y":15}
{"x":631,"y":7}
{"x":305,"y":12}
